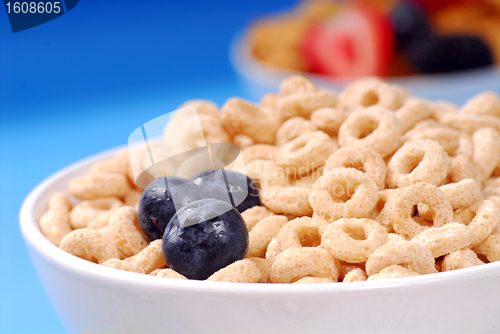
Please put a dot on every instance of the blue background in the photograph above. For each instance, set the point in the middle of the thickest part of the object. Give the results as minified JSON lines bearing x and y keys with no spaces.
{"x":80,"y":84}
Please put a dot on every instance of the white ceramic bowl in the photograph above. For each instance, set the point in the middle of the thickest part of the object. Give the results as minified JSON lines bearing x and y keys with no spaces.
{"x":89,"y":298}
{"x":258,"y":78}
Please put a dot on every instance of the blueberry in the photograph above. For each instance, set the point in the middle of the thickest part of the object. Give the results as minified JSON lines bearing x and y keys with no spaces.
{"x":409,"y":23}
{"x":203,"y":237}
{"x":159,"y":202}
{"x":440,"y":54}
{"x":243,"y":192}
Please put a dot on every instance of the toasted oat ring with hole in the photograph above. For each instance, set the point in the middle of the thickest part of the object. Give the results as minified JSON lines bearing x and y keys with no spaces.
{"x":353,"y":240}
{"x":287,"y":199}
{"x":490,"y":247}
{"x":254,"y":215}
{"x":343,"y":193}
{"x":460,"y":259}
{"x":446,"y":137}
{"x":99,"y":185}
{"x":259,"y":152}
{"x":372,"y":92}
{"x":305,"y":153}
{"x":129,"y":240}
{"x":470,"y":123}
{"x":446,"y":239}
{"x":374,"y":127}
{"x":407,"y":198}
{"x":301,"y":232}
{"x":304,"y":103}
{"x":486,"y":152}
{"x":361,"y":158}
{"x":461,"y":194}
{"x":486,"y":220}
{"x":292,"y":128}
{"x":328,"y":119}
{"x":394,"y":271}
{"x":262,"y":233}
{"x":88,"y":211}
{"x":418,"y":161}
{"x":91,"y":245}
{"x":296,"y":84}
{"x":295,"y":263}
{"x":414,"y":254}
{"x":412,"y":112}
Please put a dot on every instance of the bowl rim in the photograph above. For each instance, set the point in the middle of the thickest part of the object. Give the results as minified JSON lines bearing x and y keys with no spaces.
{"x":83,"y":269}
{"x":245,"y":63}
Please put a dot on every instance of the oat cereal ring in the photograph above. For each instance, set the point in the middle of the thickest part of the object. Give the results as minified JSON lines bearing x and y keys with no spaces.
{"x":466,"y":214}
{"x":91,"y":245}
{"x":287,"y":199}
{"x":259,"y":152}
{"x":297,"y":84}
{"x":170,"y":273}
{"x":413,"y":111}
{"x":418,"y":161}
{"x":129,"y":240}
{"x":242,"y":117}
{"x":254,"y":215}
{"x":461,"y":168}
{"x":371,"y":92}
{"x":262,"y":233}
{"x":355,"y":275}
{"x":470,"y":123}
{"x":361,"y":158}
{"x":486,"y":103}
{"x":305,"y":153}
{"x":203,"y":107}
{"x":119,"y":264}
{"x":460,"y":259}
{"x":422,"y":125}
{"x":268,"y":101}
{"x":243,"y":141}
{"x":132,"y":198}
{"x":411,"y":253}
{"x":328,"y":119}
{"x":304,"y":103}
{"x":264,"y":268}
{"x":313,"y":280}
{"x":119,"y":163}
{"x":492,"y":187}
{"x":394,"y":237}
{"x":149,"y":258}
{"x":446,"y":137}
{"x":292,"y":128}
{"x":346,"y":267}
{"x":213,"y":130}
{"x":374,"y":127}
{"x":273,"y":249}
{"x":445,"y":240}
{"x":486,"y":151}
{"x":96,"y":211}
{"x":295,"y":263}
{"x":242,"y":271}
{"x":404,"y":202}
{"x":301,"y":232}
{"x":98,"y":185}
{"x":54,"y":224}
{"x":384,"y":203}
{"x":394,"y":271}
{"x":353,"y":240}
{"x":343,"y":193}
{"x":461,"y":194}
{"x":490,"y":247}
{"x":486,"y":220}
{"x":465,"y":147}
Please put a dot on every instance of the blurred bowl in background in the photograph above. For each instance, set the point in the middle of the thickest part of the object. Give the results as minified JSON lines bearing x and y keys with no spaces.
{"x":258,"y":78}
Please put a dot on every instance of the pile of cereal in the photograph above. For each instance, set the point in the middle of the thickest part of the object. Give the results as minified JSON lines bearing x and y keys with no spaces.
{"x":370,"y":184}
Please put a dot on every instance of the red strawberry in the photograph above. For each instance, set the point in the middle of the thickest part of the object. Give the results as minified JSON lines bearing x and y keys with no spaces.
{"x":357,"y":43}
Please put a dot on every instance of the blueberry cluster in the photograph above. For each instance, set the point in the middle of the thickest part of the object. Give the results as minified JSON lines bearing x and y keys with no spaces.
{"x":429,"y":52}
{"x":199,"y":220}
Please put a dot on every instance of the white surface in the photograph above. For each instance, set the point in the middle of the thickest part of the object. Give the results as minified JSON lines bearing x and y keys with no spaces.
{"x":89,"y":298}
{"x":258,"y":78}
